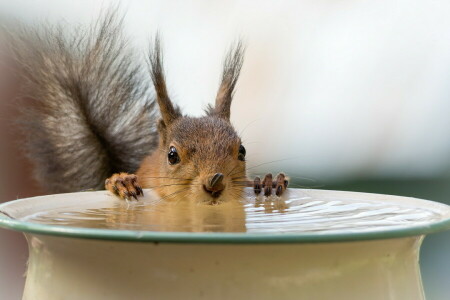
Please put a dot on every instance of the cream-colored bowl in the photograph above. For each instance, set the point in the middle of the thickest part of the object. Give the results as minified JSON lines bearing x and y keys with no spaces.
{"x":89,"y":263}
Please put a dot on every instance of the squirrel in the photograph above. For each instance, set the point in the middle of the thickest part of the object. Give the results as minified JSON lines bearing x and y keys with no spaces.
{"x":91,"y":115}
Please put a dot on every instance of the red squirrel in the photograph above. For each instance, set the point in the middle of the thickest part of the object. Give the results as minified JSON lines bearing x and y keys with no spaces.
{"x":90,"y":114}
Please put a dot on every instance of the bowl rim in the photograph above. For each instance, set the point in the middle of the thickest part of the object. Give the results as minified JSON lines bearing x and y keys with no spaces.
{"x":8,"y":222}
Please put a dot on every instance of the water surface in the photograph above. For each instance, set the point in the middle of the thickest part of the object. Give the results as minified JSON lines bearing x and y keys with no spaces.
{"x":295,"y":212}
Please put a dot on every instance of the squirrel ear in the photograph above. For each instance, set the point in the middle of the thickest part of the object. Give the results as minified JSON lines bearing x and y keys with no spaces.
{"x":168,"y":111}
{"x":162,"y":130}
{"x":231,"y":69}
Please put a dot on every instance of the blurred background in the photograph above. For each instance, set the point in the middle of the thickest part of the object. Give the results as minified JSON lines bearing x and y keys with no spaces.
{"x":354,"y":95}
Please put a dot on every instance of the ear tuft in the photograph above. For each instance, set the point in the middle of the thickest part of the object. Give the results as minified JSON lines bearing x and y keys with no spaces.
{"x":231,"y":69}
{"x":162,"y":130}
{"x":168,"y":111}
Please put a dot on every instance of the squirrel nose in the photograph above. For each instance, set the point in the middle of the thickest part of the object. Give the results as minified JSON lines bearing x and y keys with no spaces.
{"x":215,"y":185}
{"x":216,"y":180}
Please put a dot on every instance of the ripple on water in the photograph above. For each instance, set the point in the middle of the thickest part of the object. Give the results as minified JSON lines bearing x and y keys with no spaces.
{"x":294,"y":213}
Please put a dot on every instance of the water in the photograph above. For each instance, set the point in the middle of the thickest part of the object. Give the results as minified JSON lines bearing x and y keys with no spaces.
{"x":297,"y":212}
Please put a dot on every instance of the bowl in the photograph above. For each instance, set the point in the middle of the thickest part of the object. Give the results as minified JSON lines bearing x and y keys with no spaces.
{"x":307,"y":244}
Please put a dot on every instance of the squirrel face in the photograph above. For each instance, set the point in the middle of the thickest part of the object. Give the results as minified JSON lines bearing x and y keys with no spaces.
{"x":201,"y":156}
{"x":205,"y":153}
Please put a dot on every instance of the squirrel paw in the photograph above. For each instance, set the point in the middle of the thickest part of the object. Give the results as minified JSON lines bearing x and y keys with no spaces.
{"x":267,"y":184}
{"x":124,"y":185}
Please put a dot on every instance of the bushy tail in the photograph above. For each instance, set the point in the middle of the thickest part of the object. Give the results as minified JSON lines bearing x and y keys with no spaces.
{"x":88,"y":109}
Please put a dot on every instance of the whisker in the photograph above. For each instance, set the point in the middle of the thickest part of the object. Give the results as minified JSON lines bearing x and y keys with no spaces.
{"x":239,"y":177}
{"x":302,"y":178}
{"x":241,"y":181}
{"x":174,"y":193}
{"x":231,"y":170}
{"x":246,"y":126}
{"x":238,"y":195}
{"x":157,"y":177}
{"x":251,"y":142}
{"x":163,"y":151}
{"x":165,"y":185}
{"x":266,"y":163}
{"x":294,"y":185}
{"x":186,"y":196}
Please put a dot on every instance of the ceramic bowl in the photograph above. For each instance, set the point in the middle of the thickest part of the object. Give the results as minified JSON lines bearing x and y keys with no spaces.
{"x":67,"y":262}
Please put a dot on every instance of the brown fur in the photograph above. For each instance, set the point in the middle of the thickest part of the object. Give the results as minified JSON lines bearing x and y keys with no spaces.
{"x":206,"y":145}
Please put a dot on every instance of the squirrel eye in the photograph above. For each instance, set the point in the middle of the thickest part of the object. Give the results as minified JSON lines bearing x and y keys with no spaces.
{"x":173,"y":156}
{"x":241,"y":155}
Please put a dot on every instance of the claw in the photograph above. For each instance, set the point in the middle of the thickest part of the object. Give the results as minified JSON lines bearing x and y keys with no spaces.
{"x":139,"y":191}
{"x":257,"y":189}
{"x":281,"y":184}
{"x":124,"y":185}
{"x":267,"y":184}
{"x":279,"y":190}
{"x":116,"y":190}
{"x":257,"y":185}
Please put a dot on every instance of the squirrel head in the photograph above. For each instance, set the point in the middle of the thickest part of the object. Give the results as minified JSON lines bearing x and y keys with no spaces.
{"x":201,"y":158}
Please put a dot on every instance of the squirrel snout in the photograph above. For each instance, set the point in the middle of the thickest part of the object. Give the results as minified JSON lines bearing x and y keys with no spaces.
{"x":215,"y":185}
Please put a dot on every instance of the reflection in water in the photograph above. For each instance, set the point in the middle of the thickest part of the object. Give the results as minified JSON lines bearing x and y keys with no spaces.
{"x":294,"y":213}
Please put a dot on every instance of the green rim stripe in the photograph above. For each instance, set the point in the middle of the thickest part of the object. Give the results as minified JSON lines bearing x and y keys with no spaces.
{"x":218,"y":238}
